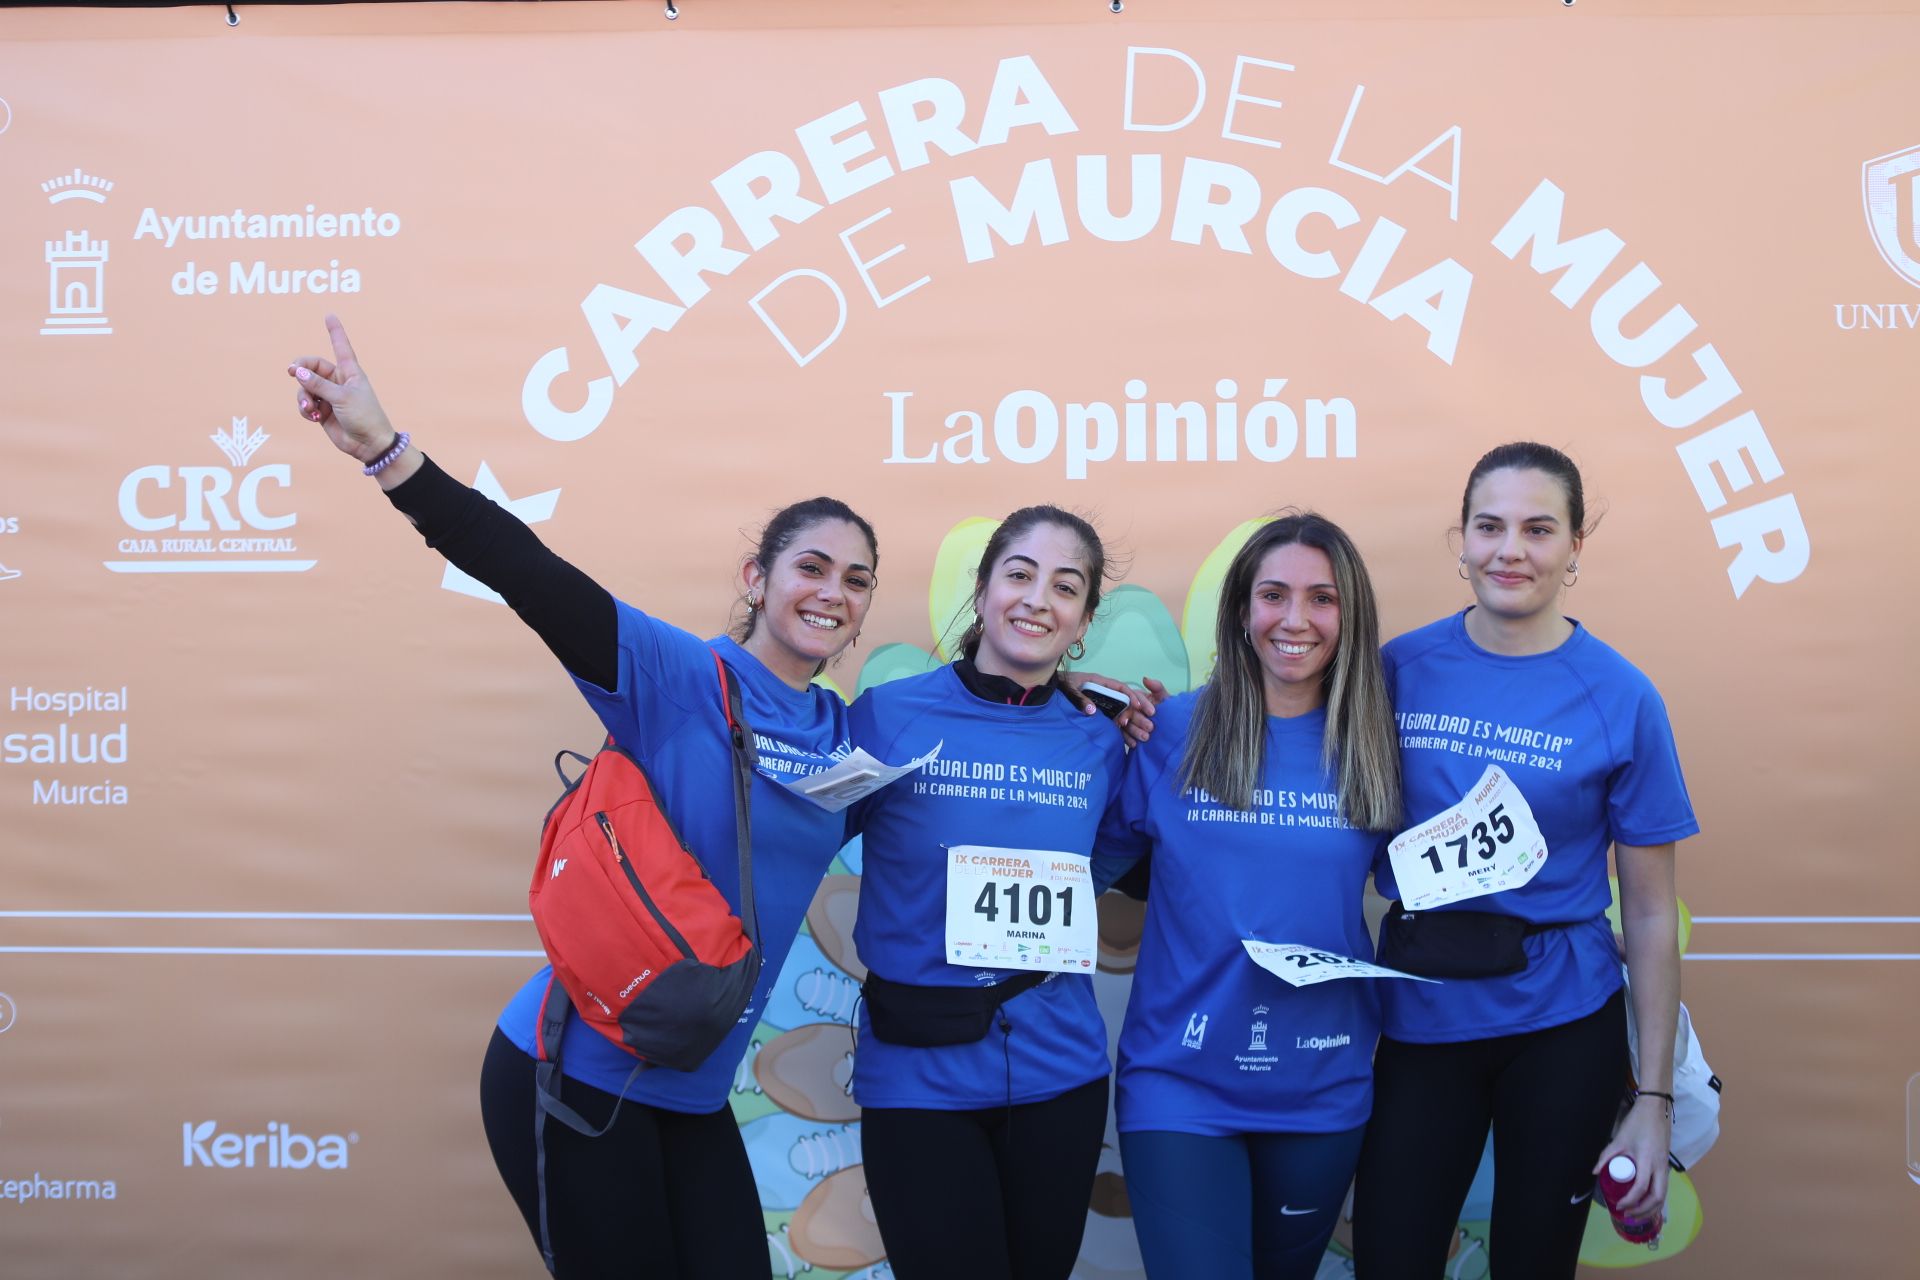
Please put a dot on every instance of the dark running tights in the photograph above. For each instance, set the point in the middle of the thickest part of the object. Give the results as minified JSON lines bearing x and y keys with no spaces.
{"x":1250,"y":1206}
{"x":1551,"y":1096}
{"x":997,"y":1192}
{"x":660,"y":1196}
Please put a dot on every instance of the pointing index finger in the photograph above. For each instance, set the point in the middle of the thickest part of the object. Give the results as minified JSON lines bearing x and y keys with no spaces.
{"x":342,"y":348}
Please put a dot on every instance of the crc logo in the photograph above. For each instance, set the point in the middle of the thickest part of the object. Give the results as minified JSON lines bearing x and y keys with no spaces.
{"x":219,"y":519}
{"x":1893,"y":214}
{"x":280,"y":1147}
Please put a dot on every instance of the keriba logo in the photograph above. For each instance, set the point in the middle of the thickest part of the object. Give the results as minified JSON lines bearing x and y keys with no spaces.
{"x":280,"y":1147}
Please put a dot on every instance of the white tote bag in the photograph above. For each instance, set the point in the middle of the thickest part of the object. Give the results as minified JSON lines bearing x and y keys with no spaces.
{"x":1696,"y":1091}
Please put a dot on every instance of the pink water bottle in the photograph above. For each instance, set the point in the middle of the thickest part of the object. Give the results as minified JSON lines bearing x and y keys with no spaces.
{"x":1615,"y":1181}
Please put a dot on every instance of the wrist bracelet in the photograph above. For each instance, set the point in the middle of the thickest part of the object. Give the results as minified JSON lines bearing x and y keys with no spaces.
{"x":387,"y":459}
{"x":1655,"y":1093}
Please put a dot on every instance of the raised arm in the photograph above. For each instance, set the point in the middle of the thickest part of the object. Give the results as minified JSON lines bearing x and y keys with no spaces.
{"x":569,"y":611}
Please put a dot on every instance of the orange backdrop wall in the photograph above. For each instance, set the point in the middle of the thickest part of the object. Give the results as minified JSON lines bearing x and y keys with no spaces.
{"x":270,"y":773}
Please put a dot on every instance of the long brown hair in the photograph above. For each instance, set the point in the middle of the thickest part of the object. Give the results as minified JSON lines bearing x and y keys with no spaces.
{"x":1227,"y":744}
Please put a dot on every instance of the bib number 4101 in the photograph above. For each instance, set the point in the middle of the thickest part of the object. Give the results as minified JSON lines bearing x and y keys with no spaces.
{"x":1484,"y":842}
{"x":1039,"y":901}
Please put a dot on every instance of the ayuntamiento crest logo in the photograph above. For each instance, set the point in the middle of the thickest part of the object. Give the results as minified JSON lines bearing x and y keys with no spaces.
{"x":77,"y":264}
{"x":1893,"y":213}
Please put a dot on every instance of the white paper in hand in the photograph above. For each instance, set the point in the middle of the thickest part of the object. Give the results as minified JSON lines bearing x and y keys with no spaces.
{"x":857,"y":776}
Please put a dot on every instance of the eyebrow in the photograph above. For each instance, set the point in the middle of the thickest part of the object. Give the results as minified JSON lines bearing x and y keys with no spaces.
{"x":1488,"y":515}
{"x":1065,"y":568}
{"x":1275,"y":582}
{"x":821,"y":555}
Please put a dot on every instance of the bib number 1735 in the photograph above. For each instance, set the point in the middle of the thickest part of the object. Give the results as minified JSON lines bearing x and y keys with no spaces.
{"x":1487,"y":843}
{"x":1484,"y":840}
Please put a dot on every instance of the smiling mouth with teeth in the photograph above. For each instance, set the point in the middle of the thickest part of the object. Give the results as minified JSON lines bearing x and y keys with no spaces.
{"x":819,"y":623}
{"x":1026,"y":628}
{"x":1293,"y":649}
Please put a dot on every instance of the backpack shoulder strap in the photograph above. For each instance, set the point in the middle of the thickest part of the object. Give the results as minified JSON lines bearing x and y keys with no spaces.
{"x":740,"y":734}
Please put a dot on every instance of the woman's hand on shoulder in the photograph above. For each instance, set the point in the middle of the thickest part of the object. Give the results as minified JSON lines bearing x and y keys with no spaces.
{"x":337,"y":394}
{"x":1136,"y":718}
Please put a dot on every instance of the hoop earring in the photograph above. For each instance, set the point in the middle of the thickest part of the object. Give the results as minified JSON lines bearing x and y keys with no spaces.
{"x":1573,"y":567}
{"x":1081,"y":645}
{"x":1246,"y":633}
{"x":1463,"y":570}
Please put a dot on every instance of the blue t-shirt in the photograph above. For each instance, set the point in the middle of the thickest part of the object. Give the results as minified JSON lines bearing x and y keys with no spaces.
{"x":1212,"y":1043}
{"x":1585,"y":737}
{"x":666,"y":711}
{"x":1036,"y":777}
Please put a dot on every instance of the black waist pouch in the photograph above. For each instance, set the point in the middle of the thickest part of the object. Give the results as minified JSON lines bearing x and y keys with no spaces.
{"x":928,"y":1017}
{"x":1456,"y":944}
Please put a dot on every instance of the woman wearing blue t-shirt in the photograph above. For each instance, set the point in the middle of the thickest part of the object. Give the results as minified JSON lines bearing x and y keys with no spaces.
{"x":1527,"y":1029}
{"x":983,"y":1087}
{"x":1263,"y":798}
{"x":667,"y":1190}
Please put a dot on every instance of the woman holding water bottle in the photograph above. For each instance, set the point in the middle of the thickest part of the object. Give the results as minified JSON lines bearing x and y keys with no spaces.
{"x":1528,"y":749}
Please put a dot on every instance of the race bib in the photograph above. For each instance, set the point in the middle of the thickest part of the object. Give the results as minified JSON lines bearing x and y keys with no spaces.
{"x":1487,"y":843}
{"x":1020,"y":909}
{"x":1299,"y":966}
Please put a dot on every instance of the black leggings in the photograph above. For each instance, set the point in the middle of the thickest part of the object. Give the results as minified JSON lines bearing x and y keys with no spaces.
{"x":1552,"y":1097}
{"x":1001,"y":1191}
{"x":660,"y":1196}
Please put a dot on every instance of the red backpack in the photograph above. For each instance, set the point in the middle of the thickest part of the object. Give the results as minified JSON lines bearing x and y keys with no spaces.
{"x":644,"y":947}
{"x":642,"y":944}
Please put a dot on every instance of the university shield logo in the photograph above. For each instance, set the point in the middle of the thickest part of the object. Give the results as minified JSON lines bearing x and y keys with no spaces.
{"x":1888,"y":193}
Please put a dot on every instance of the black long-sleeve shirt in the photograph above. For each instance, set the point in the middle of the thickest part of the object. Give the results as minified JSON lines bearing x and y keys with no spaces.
{"x":569,"y":611}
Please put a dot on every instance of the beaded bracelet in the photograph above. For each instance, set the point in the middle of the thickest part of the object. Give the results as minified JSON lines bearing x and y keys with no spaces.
{"x":387,"y":459}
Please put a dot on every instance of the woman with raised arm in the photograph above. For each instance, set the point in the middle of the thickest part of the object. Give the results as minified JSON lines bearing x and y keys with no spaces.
{"x":982,"y":1059}
{"x":1262,"y":798}
{"x":1528,"y":749}
{"x":667,"y":1191}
